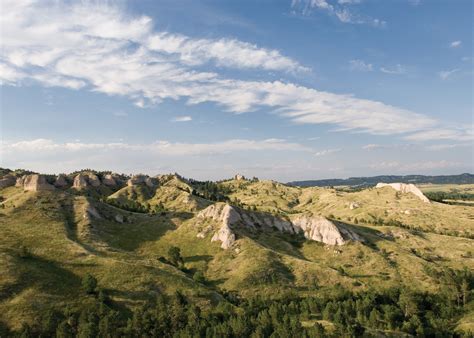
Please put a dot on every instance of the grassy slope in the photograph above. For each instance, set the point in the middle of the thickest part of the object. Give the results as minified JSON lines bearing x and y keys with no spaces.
{"x":66,"y":245}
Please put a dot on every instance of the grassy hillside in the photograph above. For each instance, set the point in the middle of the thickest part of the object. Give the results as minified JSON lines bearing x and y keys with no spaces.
{"x":52,"y":240}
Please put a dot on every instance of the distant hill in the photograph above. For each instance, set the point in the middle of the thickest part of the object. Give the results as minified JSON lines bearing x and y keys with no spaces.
{"x":371,"y":181}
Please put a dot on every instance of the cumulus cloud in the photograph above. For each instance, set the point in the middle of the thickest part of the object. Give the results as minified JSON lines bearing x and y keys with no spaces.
{"x":455,"y":44}
{"x":100,"y":47}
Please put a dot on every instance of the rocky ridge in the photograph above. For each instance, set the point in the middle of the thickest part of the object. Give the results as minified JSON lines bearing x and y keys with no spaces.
{"x":316,"y":228}
{"x":405,"y":188}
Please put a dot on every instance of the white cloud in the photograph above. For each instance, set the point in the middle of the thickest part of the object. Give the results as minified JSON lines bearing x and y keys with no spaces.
{"x":103,"y":49}
{"x":182,"y":119}
{"x":339,"y":10}
{"x":415,"y":166}
{"x":164,"y":148}
{"x":455,"y":44}
{"x":445,"y":74}
{"x":373,"y":146}
{"x":398,"y":69}
{"x":359,"y":65}
{"x":327,"y":152}
{"x":459,"y":134}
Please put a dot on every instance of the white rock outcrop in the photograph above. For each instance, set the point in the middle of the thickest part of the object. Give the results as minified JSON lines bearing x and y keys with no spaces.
{"x":320,"y":229}
{"x":405,"y":188}
{"x":316,"y":228}
{"x":36,"y":182}
{"x":93,"y":180}
{"x":80,"y":181}
{"x":137,"y":179}
{"x":109,"y":180}
{"x":228,"y":217}
{"x":354,"y":205}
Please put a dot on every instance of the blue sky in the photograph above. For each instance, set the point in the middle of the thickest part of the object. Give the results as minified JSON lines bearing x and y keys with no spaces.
{"x":284,"y":90}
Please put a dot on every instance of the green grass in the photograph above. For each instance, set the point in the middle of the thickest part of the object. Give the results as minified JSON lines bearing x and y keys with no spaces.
{"x":65,"y":244}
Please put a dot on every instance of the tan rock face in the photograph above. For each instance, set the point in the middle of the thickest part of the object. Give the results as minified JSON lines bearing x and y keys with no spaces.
{"x":60,"y":181}
{"x":109,"y":181}
{"x":7,"y":181}
{"x":93,"y":180}
{"x":80,"y":181}
{"x":36,"y":182}
{"x":20,"y":181}
{"x":405,"y":188}
{"x":136,"y":179}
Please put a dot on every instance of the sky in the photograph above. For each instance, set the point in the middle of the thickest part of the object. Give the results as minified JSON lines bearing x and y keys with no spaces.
{"x":285,"y":89}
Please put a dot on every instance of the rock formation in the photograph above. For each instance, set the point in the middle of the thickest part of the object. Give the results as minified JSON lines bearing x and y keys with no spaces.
{"x":80,"y":181}
{"x":136,"y":179}
{"x":93,"y":180}
{"x":151,"y":182}
{"x":7,"y":181}
{"x":239,"y":177}
{"x":109,"y":181}
{"x":405,"y":188}
{"x":60,"y":181}
{"x":316,"y":228}
{"x":36,"y":182}
{"x":354,"y":205}
{"x":228,"y":217}
{"x":320,"y":229}
{"x":19,"y":181}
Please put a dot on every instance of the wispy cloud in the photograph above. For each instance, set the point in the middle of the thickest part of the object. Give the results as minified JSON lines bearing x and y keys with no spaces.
{"x":398,"y":69}
{"x":104,"y":49}
{"x":392,"y":166}
{"x":339,"y":9}
{"x":445,"y":74}
{"x":455,"y":44}
{"x":359,"y":65}
{"x":158,"y":147}
{"x":182,"y":119}
{"x":327,"y":152}
{"x":460,"y":134}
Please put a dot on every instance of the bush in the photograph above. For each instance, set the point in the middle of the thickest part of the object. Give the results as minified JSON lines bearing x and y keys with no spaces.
{"x":89,"y":284}
{"x":199,"y":277}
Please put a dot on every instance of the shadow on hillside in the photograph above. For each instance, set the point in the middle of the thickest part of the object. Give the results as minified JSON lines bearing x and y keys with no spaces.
{"x":198,"y":258}
{"x":42,"y":274}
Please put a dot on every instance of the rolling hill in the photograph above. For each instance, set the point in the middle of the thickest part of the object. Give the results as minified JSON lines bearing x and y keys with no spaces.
{"x":245,"y":247}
